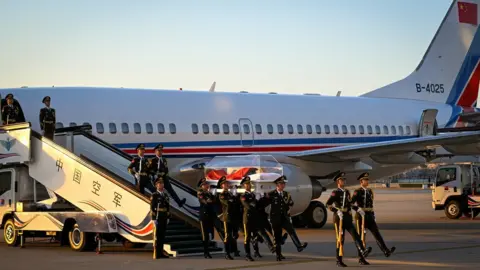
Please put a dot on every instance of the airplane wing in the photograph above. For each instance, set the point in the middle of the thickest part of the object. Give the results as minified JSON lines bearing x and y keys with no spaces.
{"x":355,"y":152}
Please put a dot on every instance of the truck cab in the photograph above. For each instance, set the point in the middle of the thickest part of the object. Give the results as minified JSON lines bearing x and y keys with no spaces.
{"x":457,"y":190}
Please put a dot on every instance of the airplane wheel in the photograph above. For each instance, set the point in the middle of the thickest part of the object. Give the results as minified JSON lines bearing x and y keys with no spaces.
{"x":453,"y":209}
{"x":10,"y":234}
{"x":315,"y":215}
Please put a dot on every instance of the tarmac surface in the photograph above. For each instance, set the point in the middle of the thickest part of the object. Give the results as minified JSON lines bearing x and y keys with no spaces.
{"x":424,"y":238}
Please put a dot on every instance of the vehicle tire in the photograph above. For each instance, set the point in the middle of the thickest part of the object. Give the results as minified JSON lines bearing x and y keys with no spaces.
{"x":315,"y":215}
{"x":127,"y":244}
{"x":80,"y":241}
{"x":453,"y":209}
{"x":10,"y":235}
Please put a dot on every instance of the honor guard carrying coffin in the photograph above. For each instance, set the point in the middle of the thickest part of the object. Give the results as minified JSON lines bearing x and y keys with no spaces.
{"x":339,"y":203}
{"x":159,"y":167}
{"x":250,"y":215}
{"x":362,"y":200}
{"x":281,"y":201}
{"x":47,"y":119}
{"x":160,"y":213}
{"x":227,"y":200}
{"x":207,"y":214}
{"x":139,"y":169}
{"x":10,"y":112}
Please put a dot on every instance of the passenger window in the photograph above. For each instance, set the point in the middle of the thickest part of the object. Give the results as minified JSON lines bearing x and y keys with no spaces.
{"x":58,"y":125}
{"x":361,"y":129}
{"x":400,"y":129}
{"x":113,"y":128}
{"x":215,"y":129}
{"x":335,"y":129}
{"x":149,"y":128}
{"x":344,"y":129}
{"x":270,"y":129}
{"x":226,"y":129}
{"x":385,"y":130}
{"x":318,"y":129}
{"x":136,"y":128}
{"x":86,"y":124}
{"x":173,"y":128}
{"x":408,"y":130}
{"x":246,"y":128}
{"x":73,"y":124}
{"x":258,"y":129}
{"x":99,"y":127}
{"x":194,"y":128}
{"x":352,"y":129}
{"x":5,"y":182}
{"x":205,"y":128}
{"x":280,"y":129}
{"x":309,"y":129}
{"x":369,"y":129}
{"x":290,"y":129}
{"x":327,"y":129}
{"x":125,"y":128}
{"x":377,"y":129}
{"x":300,"y":129}
{"x":161,"y":128}
{"x":236,"y":128}
{"x":394,"y":130}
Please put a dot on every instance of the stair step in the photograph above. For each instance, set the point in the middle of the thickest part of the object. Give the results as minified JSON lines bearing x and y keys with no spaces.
{"x":174,"y":227}
{"x":196,"y":250}
{"x":182,"y":231}
{"x":176,"y":222}
{"x":188,"y":244}
{"x":182,"y":237}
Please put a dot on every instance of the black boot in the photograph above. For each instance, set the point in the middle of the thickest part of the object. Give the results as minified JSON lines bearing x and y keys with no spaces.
{"x":206,"y":253}
{"x":388,"y":252}
{"x":340,"y":263}
{"x":248,"y":257}
{"x":362,"y":261}
{"x":227,"y":251}
{"x":284,"y":238}
{"x":297,"y":243}
{"x":366,"y":251}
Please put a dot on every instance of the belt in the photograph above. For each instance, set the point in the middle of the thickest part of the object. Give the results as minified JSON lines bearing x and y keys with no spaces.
{"x":367,"y":209}
{"x":48,"y":122}
{"x":343,"y":210}
{"x":161,"y":209}
{"x":143,"y":173}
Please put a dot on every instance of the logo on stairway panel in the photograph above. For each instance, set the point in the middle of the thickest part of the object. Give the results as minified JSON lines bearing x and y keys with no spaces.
{"x":8,"y":144}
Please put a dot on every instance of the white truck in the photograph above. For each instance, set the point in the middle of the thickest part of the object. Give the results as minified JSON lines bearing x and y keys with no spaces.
{"x":77,"y":188}
{"x":457,"y":190}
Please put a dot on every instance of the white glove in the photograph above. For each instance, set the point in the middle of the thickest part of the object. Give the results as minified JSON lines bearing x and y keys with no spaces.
{"x":234,"y":191}
{"x":156,"y":222}
{"x":168,"y":221}
{"x":214,"y":191}
{"x":258,"y":196}
{"x":137,"y":176}
{"x":361,"y":212}
{"x":340,"y":214}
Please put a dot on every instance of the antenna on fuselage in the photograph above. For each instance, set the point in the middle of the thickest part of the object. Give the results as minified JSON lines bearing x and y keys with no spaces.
{"x":212,"y":88}
{"x":338,"y":93}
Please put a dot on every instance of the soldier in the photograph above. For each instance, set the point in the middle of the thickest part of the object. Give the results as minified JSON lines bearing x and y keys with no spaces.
{"x":236,"y":221}
{"x":281,"y":201}
{"x":47,"y":119}
{"x":160,"y":213}
{"x":362,"y":200}
{"x":207,"y":214}
{"x":159,"y":167}
{"x":10,"y":112}
{"x":264,"y":227}
{"x":250,"y":215}
{"x":139,"y":169}
{"x":339,"y":203}
{"x":227,"y":199}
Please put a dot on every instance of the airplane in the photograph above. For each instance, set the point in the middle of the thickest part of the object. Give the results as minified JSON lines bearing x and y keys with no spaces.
{"x":385,"y":131}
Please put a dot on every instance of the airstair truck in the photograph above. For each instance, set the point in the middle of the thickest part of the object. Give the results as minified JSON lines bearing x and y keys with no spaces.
{"x":457,"y":190}
{"x":51,"y":190}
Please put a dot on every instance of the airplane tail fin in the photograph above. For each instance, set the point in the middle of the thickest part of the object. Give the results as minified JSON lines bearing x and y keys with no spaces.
{"x":449,"y":71}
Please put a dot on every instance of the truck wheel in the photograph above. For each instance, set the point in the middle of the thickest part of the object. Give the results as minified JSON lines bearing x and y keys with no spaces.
{"x":453,"y":209}
{"x":80,"y":241}
{"x":316,"y":214}
{"x":10,"y":234}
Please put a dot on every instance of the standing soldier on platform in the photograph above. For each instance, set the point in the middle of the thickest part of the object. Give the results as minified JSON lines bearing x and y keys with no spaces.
{"x":47,"y":119}
{"x":160,"y":213}
{"x":139,"y":169}
{"x":207,"y":214}
{"x":227,"y":199}
{"x":159,"y":167}
{"x":339,"y":203}
{"x":10,"y":112}
{"x":362,"y":200}
{"x":281,"y":201}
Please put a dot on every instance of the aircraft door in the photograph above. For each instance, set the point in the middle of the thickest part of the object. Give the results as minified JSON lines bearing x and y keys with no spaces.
{"x":7,"y":191}
{"x":246,"y":131}
{"x":428,"y":123}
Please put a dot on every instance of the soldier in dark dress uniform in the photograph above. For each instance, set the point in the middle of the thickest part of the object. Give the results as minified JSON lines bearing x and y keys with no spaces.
{"x":227,"y":199}
{"x":207,"y":214}
{"x":340,"y":204}
{"x":139,"y":169}
{"x":281,"y":201}
{"x":250,"y":215}
{"x":236,"y":220}
{"x":158,"y":167}
{"x":264,"y":228}
{"x":160,"y":213}
{"x":362,"y":201}
{"x":10,"y":112}
{"x":47,"y":119}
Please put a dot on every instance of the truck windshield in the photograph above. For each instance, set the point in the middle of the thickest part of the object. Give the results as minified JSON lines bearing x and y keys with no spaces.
{"x":446,"y":175}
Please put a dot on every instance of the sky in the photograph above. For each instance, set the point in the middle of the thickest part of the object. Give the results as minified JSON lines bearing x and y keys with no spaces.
{"x":281,"y":46}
